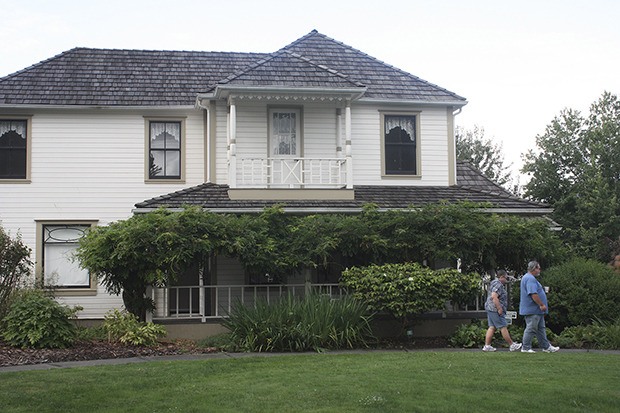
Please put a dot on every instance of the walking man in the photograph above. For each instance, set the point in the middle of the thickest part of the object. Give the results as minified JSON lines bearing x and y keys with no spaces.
{"x":495,"y":306}
{"x":533,"y":306}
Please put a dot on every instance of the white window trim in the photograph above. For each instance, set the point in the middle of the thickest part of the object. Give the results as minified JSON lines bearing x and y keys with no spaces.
{"x":299,"y":129}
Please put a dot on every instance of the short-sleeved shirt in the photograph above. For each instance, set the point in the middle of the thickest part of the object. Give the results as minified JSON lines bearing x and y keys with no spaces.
{"x":529,"y":286}
{"x":496,"y":286}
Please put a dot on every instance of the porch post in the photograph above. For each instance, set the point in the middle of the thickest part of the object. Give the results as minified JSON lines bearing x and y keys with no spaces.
{"x":232,"y":146}
{"x":201,"y":290}
{"x":339,"y":133}
{"x":149,"y":293}
{"x":347,"y":131}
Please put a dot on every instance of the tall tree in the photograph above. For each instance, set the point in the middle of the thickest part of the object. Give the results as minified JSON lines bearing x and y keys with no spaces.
{"x":576,"y":169}
{"x":484,"y":154}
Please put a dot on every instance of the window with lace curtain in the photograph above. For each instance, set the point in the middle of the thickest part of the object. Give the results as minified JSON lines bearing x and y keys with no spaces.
{"x":165,"y":153}
{"x":400,"y":144}
{"x":14,"y":147}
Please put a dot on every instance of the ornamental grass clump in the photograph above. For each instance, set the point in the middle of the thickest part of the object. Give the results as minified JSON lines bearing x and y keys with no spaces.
{"x":314,"y":322}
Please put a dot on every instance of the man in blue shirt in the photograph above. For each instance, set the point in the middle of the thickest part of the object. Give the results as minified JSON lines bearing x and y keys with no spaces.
{"x":533,"y":307}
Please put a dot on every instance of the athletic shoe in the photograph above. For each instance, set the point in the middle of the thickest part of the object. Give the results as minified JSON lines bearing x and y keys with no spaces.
{"x":515,"y":346}
{"x":527,"y":351}
{"x":488,"y":348}
{"x":551,"y":349}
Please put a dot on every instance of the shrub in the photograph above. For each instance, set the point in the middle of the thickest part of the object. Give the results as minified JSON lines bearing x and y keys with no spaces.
{"x":37,"y":320}
{"x":599,"y":334}
{"x":468,"y":335}
{"x":15,"y":266}
{"x":124,"y":327}
{"x":314,"y":322}
{"x":409,"y":289}
{"x":581,"y":291}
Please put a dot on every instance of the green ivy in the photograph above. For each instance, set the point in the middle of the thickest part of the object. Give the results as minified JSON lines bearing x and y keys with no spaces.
{"x":150,"y":249}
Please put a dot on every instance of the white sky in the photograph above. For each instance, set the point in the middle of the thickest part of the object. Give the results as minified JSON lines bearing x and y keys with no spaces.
{"x":518,"y":63}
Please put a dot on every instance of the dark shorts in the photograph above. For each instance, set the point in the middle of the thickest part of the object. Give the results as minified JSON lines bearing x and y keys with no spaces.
{"x":496,"y":320}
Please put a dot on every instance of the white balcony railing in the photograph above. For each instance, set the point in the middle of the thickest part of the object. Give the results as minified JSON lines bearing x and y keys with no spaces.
{"x":293,"y":172}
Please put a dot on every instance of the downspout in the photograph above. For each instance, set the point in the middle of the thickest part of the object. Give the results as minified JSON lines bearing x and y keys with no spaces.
{"x":207,"y":139}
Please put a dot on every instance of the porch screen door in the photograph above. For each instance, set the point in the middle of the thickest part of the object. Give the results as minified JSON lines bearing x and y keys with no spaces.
{"x":285,"y":146}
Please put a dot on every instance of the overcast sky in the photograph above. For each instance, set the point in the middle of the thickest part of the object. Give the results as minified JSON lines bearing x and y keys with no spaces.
{"x":518,"y":63}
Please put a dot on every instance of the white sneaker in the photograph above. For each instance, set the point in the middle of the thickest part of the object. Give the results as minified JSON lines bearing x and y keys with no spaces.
{"x":551,"y":349}
{"x":515,"y":346}
{"x":488,"y":348}
{"x":527,"y":351}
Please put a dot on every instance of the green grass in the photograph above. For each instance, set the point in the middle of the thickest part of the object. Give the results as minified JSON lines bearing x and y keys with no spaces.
{"x":423,"y":381}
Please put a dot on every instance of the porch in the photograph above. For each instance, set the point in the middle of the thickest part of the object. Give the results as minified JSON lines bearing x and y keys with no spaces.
{"x":210,"y":303}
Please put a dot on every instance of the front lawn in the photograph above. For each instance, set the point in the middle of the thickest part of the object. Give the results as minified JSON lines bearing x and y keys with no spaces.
{"x":419,"y":381}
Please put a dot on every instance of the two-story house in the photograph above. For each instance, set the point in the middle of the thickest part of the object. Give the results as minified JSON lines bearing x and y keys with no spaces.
{"x":91,"y":136}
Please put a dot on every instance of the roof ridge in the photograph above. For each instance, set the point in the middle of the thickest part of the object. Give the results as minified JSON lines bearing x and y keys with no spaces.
{"x":315,"y":32}
{"x":277,"y":54}
{"x":324,"y":67}
{"x":480,"y":174}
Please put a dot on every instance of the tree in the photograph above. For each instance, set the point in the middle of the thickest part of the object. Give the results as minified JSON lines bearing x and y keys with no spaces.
{"x":147,"y":249}
{"x":15,"y":267}
{"x":576,"y":169}
{"x":488,"y":157}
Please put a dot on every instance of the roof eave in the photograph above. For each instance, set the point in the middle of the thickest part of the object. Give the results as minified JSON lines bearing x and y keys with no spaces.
{"x":455,"y":103}
{"x":226,"y":91}
{"x":97,"y":107}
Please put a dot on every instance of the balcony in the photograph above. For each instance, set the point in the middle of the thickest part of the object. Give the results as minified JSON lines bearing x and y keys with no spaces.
{"x":320,"y":173}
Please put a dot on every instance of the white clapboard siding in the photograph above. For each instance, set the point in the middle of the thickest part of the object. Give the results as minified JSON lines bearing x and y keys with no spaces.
{"x":90,"y":165}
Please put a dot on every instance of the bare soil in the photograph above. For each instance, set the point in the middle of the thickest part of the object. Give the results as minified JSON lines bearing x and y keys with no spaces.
{"x":98,"y":350}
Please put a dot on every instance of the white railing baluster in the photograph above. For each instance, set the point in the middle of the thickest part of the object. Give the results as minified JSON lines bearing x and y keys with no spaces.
{"x":293,"y":172}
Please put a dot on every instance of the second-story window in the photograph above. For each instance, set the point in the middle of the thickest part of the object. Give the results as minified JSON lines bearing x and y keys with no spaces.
{"x":285,"y":133}
{"x":164,"y":150}
{"x":13,"y":149}
{"x":400,"y":141}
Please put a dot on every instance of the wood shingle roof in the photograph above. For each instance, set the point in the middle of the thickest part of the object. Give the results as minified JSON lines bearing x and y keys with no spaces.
{"x":471,"y":186}
{"x":106,"y":77}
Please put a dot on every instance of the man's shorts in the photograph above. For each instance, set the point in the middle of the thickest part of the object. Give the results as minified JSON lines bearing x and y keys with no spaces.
{"x":496,"y":320}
